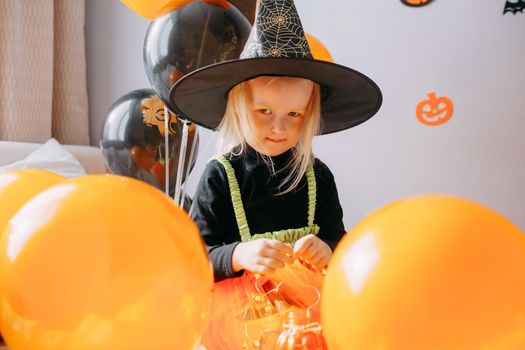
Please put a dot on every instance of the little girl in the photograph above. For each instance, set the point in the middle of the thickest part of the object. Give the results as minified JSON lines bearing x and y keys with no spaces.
{"x":269,"y":122}
{"x":266,"y":206}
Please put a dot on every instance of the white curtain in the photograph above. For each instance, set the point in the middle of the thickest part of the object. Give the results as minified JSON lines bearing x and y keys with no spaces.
{"x":43,"y":90}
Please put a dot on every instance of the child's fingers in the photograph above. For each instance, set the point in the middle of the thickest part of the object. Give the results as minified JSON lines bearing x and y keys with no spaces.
{"x":280,"y":246}
{"x":320,"y":260}
{"x":311,"y":252}
{"x":301,"y":246}
{"x":277,"y":255}
{"x":315,"y":258}
{"x":263,"y":268}
{"x":324,"y":261}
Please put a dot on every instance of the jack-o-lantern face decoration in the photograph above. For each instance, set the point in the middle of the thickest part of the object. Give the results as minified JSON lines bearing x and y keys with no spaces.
{"x":416,"y":3}
{"x":153,"y":114}
{"x":435,"y":110}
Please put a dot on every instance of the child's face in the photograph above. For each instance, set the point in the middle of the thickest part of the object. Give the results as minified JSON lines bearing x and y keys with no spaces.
{"x":277,"y":108}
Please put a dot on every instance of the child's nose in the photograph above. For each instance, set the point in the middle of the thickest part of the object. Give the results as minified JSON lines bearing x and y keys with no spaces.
{"x":278,"y":124}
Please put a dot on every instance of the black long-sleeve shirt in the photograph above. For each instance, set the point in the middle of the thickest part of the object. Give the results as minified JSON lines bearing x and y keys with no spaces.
{"x":212,"y":208}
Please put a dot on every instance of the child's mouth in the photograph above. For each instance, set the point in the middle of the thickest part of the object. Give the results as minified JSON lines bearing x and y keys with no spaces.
{"x":275,"y":140}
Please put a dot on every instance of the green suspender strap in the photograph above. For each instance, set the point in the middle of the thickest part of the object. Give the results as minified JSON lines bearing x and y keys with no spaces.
{"x":289,"y":236}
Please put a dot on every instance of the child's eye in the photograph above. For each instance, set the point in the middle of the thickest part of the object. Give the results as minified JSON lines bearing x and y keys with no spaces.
{"x":264,"y":111}
{"x":294,"y":114}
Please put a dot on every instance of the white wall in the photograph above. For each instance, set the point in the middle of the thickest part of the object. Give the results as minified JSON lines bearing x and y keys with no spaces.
{"x":466,"y":50}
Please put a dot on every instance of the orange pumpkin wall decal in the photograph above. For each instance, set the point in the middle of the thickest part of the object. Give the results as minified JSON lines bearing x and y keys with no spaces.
{"x":434,"y":110}
{"x":416,"y":3}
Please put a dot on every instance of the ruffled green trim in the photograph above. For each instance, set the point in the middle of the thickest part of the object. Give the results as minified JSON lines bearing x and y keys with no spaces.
{"x":235,"y":193}
{"x":289,"y":236}
{"x":312,"y":193}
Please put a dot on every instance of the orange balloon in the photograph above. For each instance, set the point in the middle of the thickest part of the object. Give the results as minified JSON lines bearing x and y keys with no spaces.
{"x":429,"y":272}
{"x":152,"y":9}
{"x":18,"y":186}
{"x":103,"y":262}
{"x":319,"y":51}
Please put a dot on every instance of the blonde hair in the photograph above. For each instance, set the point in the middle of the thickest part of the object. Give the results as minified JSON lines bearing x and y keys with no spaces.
{"x":236,"y":124}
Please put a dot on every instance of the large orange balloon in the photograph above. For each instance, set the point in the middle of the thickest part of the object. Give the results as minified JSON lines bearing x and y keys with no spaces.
{"x":105,"y":263}
{"x":152,"y":9}
{"x":18,"y":186}
{"x":429,"y":272}
{"x":319,"y":51}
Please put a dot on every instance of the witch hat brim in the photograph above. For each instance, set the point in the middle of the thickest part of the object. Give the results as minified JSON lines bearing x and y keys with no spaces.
{"x":277,"y":47}
{"x":349,"y":97}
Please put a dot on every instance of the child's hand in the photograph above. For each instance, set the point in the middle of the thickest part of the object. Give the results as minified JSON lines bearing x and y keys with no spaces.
{"x":261,"y":256}
{"x":313,"y":250}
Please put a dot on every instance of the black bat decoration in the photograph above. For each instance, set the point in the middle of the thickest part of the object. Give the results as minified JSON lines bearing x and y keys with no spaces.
{"x":514,"y":7}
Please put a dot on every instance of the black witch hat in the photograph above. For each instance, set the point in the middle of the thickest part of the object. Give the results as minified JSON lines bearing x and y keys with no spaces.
{"x":277,"y":47}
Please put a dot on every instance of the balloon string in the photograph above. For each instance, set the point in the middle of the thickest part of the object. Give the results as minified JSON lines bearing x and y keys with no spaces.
{"x":203,"y":38}
{"x":166,"y":151}
{"x":188,"y":168}
{"x":182,"y":156}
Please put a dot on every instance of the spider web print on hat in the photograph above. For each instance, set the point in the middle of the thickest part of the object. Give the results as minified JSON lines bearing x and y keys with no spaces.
{"x":277,"y":32}
{"x":277,"y":46}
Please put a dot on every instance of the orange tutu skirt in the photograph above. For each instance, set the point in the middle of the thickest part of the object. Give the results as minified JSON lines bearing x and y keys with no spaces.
{"x":245,"y":308}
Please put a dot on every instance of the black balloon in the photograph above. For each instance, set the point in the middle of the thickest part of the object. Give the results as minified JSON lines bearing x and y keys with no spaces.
{"x":193,"y":36}
{"x":133,"y":139}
